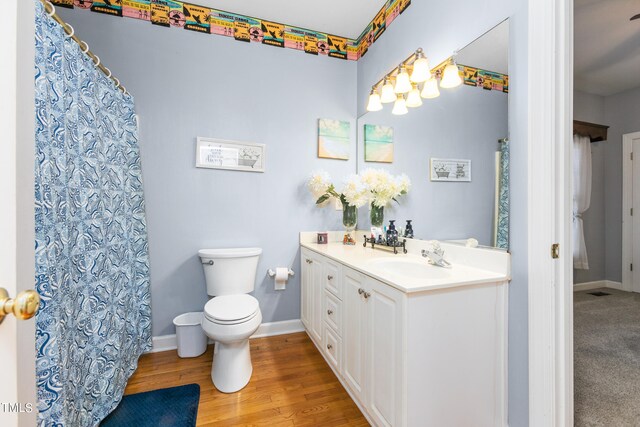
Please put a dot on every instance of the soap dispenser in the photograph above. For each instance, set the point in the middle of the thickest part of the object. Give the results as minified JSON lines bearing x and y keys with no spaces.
{"x":392,"y":233}
{"x":408,"y":230}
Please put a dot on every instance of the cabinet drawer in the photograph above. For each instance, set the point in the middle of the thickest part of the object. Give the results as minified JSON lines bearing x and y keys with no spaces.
{"x":332,"y":348}
{"x":333,"y":278}
{"x":332,"y":312}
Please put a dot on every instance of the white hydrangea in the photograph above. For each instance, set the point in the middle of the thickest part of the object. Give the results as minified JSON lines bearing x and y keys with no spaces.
{"x":383,"y":186}
{"x":319,"y":183}
{"x":404,"y":182}
{"x":355,"y":192}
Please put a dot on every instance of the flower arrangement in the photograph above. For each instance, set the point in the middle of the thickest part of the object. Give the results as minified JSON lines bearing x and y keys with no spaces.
{"x":354,"y":192}
{"x":384,"y":187}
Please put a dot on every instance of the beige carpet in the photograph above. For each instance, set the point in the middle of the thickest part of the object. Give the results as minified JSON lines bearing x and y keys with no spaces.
{"x":607,"y":358}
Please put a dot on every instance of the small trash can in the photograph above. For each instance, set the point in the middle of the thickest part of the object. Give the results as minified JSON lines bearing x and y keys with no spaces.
{"x":192,"y":341}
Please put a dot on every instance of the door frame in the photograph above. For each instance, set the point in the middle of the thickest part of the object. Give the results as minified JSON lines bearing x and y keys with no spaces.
{"x":550,"y":281}
{"x":627,"y":204}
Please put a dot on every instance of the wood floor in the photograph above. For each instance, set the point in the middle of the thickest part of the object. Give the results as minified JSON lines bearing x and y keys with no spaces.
{"x":292,"y":385}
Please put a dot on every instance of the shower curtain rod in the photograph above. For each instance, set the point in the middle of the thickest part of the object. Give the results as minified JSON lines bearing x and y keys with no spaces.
{"x":50,"y":9}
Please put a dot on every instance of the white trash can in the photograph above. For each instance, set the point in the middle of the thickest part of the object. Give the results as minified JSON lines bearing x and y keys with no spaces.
{"x":192,"y":341}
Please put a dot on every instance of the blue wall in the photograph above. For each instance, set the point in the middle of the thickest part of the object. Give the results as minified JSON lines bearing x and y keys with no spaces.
{"x":188,"y":85}
{"x":440,"y":28}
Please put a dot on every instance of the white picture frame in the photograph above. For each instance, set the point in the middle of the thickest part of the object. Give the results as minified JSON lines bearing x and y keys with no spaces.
{"x":214,"y":153}
{"x":450,"y":170}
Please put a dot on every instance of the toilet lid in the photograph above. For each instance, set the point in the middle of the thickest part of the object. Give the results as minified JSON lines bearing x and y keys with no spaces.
{"x":228,"y":308}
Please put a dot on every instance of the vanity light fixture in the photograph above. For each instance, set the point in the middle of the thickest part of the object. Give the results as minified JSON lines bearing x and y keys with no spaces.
{"x":451,"y":75}
{"x":413,"y":98}
{"x":430,"y":89}
{"x":374,"y":103}
{"x":421,"y":71}
{"x":387,"y":93}
{"x":403,"y":82}
{"x":400,"y":106}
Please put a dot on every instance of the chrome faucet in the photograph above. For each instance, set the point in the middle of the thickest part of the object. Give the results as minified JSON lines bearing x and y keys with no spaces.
{"x":436,"y":256}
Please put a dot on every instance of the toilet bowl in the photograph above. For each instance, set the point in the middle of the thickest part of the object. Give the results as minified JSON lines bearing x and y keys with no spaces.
{"x":231,"y":316}
{"x":230,"y":321}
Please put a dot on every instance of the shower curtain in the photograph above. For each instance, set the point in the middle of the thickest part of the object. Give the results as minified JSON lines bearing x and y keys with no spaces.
{"x":581,"y":197}
{"x":92,"y":267}
{"x":501,"y":238}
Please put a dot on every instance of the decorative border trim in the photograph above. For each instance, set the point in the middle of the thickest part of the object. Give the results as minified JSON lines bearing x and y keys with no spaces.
{"x":597,"y":284}
{"x":202,"y":19}
{"x":169,"y":342}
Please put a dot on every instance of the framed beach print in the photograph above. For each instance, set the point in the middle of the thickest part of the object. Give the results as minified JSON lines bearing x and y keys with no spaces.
{"x":215,"y":153}
{"x":334,"y":139}
{"x":378,"y":144}
{"x":452,"y":170}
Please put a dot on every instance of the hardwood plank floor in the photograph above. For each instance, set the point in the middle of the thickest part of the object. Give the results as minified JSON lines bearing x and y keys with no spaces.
{"x":292,"y":385}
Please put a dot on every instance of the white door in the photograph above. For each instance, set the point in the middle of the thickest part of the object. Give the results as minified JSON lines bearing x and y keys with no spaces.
{"x":384,"y":351}
{"x":305,"y":291}
{"x":316,"y":296}
{"x":635,"y":185}
{"x":17,"y":347}
{"x":631,"y":212}
{"x":354,"y":332}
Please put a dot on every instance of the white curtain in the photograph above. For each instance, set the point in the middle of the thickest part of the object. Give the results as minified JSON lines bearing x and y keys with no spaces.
{"x":581,"y":197}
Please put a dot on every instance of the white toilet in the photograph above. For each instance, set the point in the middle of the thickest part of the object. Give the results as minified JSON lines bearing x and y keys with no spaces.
{"x":232,"y":316}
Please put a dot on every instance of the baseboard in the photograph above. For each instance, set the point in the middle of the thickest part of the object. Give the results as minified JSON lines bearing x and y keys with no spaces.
{"x":587,"y":286}
{"x":168,"y":342}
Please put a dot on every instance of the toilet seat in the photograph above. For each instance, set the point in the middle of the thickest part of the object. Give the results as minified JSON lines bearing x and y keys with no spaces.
{"x":231,"y":309}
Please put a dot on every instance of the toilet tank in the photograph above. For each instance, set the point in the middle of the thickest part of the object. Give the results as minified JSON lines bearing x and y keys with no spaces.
{"x":230,"y":271}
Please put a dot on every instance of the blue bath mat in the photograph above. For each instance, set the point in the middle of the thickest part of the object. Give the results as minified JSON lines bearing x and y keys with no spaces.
{"x":168,"y":407}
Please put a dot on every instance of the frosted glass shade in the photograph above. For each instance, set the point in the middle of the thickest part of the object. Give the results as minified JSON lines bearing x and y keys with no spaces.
{"x":403,"y":82}
{"x":374,"y":103}
{"x":450,"y":77}
{"x":400,"y":107}
{"x":387,"y":94}
{"x":430,"y":89}
{"x":421,"y":71}
{"x":413,"y":98}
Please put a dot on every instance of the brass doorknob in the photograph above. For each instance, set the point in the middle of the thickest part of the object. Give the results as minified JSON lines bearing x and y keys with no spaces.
{"x":24,"y":306}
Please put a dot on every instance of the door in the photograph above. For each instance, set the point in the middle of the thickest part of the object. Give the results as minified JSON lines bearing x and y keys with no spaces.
{"x":384,"y":351}
{"x":305,"y":291}
{"x":311,"y":295}
{"x":631,"y":212}
{"x":17,"y":339}
{"x":354,"y":332}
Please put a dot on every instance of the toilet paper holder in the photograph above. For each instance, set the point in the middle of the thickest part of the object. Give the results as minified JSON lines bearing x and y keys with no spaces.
{"x":272,"y":273}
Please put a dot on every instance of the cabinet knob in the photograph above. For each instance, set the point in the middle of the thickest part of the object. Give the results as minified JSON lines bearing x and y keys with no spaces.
{"x":308,"y":261}
{"x":329,"y":277}
{"x":367,"y":294}
{"x":329,"y":346}
{"x":329,"y":312}
{"x":361,"y":291}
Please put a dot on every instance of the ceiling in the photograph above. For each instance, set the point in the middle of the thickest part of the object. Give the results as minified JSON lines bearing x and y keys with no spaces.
{"x":489,"y":52}
{"x":607,"y":46}
{"x":337,"y":17}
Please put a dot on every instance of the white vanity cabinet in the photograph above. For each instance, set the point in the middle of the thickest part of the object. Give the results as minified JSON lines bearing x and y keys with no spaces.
{"x":433,"y":357}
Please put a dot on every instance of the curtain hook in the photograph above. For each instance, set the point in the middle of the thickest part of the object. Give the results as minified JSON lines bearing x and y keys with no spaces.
{"x":117,"y":81}
{"x":108,"y":75}
{"x":52,"y":11}
{"x":96,"y":60}
{"x":86,"y":46}
{"x":68,"y":34}
{"x":124,"y":89}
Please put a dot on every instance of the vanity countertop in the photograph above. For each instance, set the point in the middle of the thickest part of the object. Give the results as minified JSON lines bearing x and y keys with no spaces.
{"x":411,"y":272}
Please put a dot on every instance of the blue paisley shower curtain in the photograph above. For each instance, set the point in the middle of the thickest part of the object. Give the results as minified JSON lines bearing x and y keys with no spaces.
{"x":502,"y":220}
{"x":92,"y":268}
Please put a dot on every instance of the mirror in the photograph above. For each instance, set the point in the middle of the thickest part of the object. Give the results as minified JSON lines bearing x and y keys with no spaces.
{"x":454,"y":148}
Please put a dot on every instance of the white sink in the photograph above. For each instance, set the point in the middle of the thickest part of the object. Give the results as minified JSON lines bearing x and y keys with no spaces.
{"x":410,"y":268}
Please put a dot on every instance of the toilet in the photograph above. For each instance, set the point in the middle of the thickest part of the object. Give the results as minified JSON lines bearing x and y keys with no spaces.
{"x":232,"y":315}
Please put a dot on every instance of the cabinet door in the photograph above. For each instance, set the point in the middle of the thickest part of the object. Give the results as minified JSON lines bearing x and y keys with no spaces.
{"x":384,"y":353}
{"x":354,"y":333}
{"x":316,"y":297}
{"x":305,"y":289}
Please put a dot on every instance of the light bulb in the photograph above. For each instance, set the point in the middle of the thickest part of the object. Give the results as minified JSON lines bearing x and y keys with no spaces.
{"x":451,"y":76}
{"x":374,"y":103}
{"x":403,"y":83}
{"x":413,"y":98}
{"x":387,"y":94}
{"x":400,"y":106}
{"x":430,"y":89}
{"x":421,"y":71}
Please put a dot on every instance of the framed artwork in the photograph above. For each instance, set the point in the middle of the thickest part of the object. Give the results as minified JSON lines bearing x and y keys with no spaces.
{"x":452,"y":170}
{"x":215,"y":153}
{"x":378,"y":144}
{"x":334,"y":139}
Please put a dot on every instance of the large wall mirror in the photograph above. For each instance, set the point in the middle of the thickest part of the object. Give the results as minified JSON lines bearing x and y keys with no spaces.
{"x":454,"y":148}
